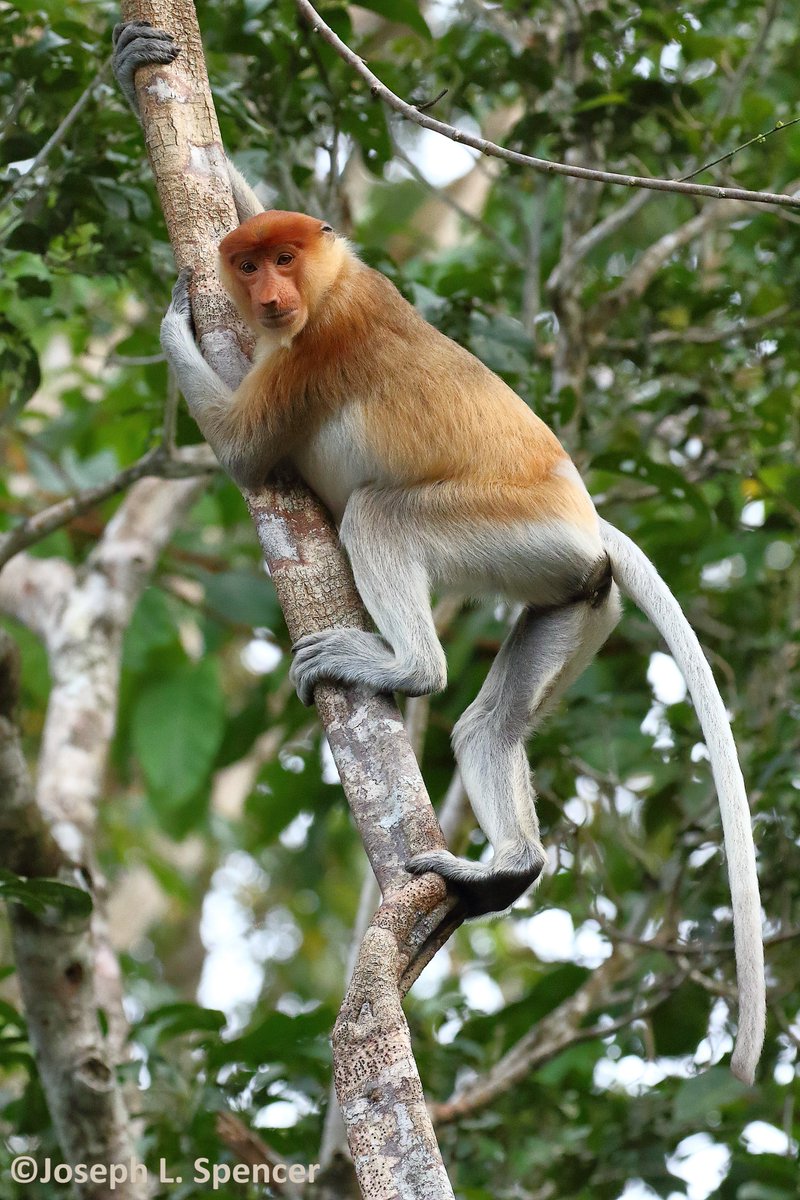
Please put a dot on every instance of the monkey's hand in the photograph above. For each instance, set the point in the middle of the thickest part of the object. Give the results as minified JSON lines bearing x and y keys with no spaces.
{"x":138,"y":44}
{"x":351,"y":656}
{"x":177,"y":326}
{"x":209,"y":399}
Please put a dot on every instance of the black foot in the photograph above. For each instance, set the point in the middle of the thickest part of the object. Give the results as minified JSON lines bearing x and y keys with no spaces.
{"x":484,"y":888}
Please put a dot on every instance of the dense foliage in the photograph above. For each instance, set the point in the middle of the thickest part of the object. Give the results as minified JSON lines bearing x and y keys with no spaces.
{"x":680,"y":404}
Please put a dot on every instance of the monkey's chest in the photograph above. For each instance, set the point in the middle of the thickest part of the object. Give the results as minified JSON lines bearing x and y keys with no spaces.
{"x":335,"y":460}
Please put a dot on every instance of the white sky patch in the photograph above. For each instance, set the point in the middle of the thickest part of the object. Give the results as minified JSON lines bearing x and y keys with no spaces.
{"x":762,"y":1138}
{"x":440,"y":160}
{"x":236,"y":950}
{"x":448,"y":1031}
{"x":664,"y":677}
{"x":283,"y":1114}
{"x":580,"y":808}
{"x":434,"y":975}
{"x":260,"y":656}
{"x":703,"y":854}
{"x":21,"y":166}
{"x":629,"y":1074}
{"x":670,"y":58}
{"x":656,"y":726}
{"x":753,"y":514}
{"x":702,"y":1163}
{"x":330,"y":772}
{"x":719,"y":574}
{"x":637,"y":1189}
{"x":480,"y":991}
{"x":718,"y":1041}
{"x":295,"y":834}
{"x":552,"y":937}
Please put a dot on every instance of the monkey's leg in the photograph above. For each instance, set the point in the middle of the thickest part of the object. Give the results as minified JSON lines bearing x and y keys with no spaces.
{"x":393,"y":583}
{"x":543,"y":654}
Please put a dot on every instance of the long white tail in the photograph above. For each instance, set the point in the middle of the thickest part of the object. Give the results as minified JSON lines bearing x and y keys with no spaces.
{"x":638,"y":578}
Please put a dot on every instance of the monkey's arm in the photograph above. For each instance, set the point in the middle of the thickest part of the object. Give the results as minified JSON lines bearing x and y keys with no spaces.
{"x":137,"y":44}
{"x":247,"y":449}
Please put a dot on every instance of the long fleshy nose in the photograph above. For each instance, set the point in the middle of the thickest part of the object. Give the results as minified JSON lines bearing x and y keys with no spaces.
{"x":268,"y":298}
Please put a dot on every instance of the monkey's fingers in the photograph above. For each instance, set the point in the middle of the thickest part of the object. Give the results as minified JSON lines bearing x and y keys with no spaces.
{"x":180,"y":303}
{"x":137,"y":44}
{"x":306,"y":669}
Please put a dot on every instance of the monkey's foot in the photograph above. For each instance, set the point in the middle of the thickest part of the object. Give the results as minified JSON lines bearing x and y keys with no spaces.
{"x":341,"y":656}
{"x":138,"y":44}
{"x":485,"y":887}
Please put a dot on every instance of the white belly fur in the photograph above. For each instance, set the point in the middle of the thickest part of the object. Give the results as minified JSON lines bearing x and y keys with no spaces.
{"x":334,"y":461}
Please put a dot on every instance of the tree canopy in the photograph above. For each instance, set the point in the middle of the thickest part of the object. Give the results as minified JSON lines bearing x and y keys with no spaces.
{"x":656,"y":334}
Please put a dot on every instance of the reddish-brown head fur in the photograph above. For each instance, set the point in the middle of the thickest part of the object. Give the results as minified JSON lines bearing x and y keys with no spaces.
{"x":277,"y":266}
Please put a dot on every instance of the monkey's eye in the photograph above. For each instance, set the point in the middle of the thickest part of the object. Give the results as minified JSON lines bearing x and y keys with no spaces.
{"x":247,"y":268}
{"x":326,"y":229}
{"x":283,"y":260}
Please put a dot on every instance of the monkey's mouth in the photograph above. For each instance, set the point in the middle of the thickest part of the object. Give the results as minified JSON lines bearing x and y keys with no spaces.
{"x":279,"y":319}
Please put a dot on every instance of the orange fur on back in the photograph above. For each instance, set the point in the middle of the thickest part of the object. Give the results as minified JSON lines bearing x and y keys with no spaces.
{"x":431,"y":412}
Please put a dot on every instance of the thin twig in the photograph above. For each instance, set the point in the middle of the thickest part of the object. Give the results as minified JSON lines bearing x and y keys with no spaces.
{"x":760,"y":137}
{"x":430,"y":103}
{"x":381,"y":91}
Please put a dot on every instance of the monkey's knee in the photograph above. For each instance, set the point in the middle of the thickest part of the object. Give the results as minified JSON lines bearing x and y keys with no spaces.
{"x":485,"y":722}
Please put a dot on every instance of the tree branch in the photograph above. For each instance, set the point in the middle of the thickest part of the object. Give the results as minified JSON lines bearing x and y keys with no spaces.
{"x":546,"y":166}
{"x":315,"y":588}
{"x":159,"y":462}
{"x":700,"y":335}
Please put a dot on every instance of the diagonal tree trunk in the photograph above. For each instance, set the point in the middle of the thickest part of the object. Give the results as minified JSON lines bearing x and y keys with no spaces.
{"x":389,"y":1130}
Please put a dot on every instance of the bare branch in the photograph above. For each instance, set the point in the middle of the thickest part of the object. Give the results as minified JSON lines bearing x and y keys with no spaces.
{"x":32,"y":590}
{"x":156,"y":462}
{"x":251,"y":1149}
{"x":584,"y":245}
{"x":315,"y":588}
{"x":759,"y":138}
{"x":442,"y":194}
{"x":653,"y":258}
{"x":546,"y":166}
{"x":699,"y":334}
{"x":553,"y":1033}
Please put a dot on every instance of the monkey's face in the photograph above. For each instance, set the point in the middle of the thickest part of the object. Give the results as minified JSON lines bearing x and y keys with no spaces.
{"x":271,"y":267}
{"x":268,"y":289}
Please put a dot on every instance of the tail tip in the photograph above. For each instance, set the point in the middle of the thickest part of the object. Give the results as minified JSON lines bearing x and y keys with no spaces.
{"x":744,"y":1063}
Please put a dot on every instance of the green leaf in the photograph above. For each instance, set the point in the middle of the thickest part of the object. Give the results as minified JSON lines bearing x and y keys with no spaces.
{"x":404,"y":12}
{"x":277,"y":1037}
{"x":174,"y":1020}
{"x":43,"y":896}
{"x":680,"y":1023}
{"x":244,"y":597}
{"x":711,"y":1090}
{"x":177,"y":727}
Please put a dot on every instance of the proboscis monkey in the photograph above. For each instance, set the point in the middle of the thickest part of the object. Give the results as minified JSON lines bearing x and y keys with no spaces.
{"x":441,"y":477}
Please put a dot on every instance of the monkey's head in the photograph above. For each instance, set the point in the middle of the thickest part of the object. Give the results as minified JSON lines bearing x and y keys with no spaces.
{"x":277,"y":267}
